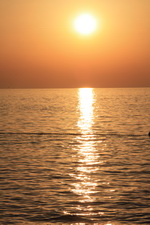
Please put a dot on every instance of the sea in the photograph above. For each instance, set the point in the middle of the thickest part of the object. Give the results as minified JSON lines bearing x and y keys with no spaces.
{"x":75,"y":156}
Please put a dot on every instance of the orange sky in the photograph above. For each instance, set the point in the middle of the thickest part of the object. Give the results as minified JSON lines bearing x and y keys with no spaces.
{"x":40,"y":47}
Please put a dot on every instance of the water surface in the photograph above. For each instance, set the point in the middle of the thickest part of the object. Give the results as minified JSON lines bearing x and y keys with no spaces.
{"x":75,"y":156}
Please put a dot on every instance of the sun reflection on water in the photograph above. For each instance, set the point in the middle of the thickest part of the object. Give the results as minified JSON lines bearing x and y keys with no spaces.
{"x":86,"y":101}
{"x":87,"y":154}
{"x":86,"y":174}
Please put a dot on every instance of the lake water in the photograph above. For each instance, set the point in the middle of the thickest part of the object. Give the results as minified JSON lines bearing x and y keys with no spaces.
{"x":75,"y":156}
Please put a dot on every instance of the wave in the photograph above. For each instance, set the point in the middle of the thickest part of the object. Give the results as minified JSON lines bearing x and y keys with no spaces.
{"x":72,"y":134}
{"x":36,"y":133}
{"x":71,"y":218}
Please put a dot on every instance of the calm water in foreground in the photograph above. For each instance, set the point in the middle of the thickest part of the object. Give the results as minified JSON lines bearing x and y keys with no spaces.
{"x":75,"y":156}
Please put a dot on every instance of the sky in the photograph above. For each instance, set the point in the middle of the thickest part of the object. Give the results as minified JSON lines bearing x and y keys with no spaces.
{"x":40,"y":48}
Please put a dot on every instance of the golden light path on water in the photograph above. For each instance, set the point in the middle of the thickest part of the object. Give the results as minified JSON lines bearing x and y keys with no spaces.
{"x":87,"y":155}
{"x":86,"y":151}
{"x":86,"y":101}
{"x":88,"y":158}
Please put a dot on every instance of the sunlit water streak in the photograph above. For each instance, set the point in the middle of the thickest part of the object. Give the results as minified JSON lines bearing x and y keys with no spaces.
{"x":88,"y":157}
{"x":86,"y":153}
{"x":75,"y":156}
{"x":86,"y":101}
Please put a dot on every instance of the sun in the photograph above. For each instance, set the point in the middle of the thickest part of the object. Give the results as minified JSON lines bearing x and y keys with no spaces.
{"x":85,"y":24}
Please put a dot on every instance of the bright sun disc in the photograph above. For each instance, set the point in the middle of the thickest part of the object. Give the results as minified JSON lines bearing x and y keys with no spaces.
{"x":85,"y":24}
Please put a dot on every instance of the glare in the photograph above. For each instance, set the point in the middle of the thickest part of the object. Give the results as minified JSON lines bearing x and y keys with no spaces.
{"x":85,"y":24}
{"x":87,"y":154}
{"x":86,"y":109}
{"x":85,"y":185}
